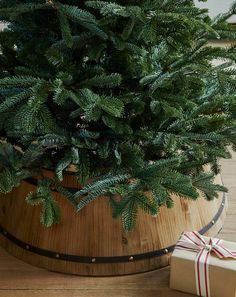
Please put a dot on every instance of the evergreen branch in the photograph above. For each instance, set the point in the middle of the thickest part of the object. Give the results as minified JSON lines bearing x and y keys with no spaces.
{"x":113,"y":106}
{"x":204,"y":182}
{"x":82,"y":17}
{"x":62,"y":165}
{"x":66,"y":193}
{"x":18,"y":81}
{"x":146,"y":204}
{"x":129,"y":215}
{"x":97,"y":188}
{"x":77,"y":14}
{"x":159,"y":165}
{"x":77,"y":41}
{"x":8,"y":180}
{"x":102,"y":184}
{"x":117,"y":125}
{"x":11,"y":101}
{"x":160,"y":194}
{"x":123,"y":90}
{"x":65,"y":29}
{"x":50,"y":214}
{"x":103,"y":81}
{"x":23,"y":8}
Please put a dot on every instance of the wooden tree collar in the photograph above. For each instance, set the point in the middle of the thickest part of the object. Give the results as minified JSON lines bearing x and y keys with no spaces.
{"x":104,"y":260}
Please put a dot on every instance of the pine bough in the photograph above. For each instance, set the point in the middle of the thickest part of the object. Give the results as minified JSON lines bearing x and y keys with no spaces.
{"x":125,"y":92}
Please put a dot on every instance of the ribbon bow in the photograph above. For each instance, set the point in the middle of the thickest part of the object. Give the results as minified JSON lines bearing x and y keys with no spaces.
{"x":194,"y":242}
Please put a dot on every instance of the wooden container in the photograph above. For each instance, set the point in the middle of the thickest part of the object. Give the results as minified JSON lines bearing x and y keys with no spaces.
{"x":91,"y":242}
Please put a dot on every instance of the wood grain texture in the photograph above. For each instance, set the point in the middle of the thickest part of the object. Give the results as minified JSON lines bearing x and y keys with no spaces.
{"x":18,"y":279}
{"x":94,"y":233}
{"x":89,"y":293}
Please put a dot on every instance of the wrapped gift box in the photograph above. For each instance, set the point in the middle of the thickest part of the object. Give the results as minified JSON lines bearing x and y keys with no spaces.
{"x":221,"y":272}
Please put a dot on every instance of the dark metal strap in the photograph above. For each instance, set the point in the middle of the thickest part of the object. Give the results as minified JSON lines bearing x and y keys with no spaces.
{"x":104,"y":260}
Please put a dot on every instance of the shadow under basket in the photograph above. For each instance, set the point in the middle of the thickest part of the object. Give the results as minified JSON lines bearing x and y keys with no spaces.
{"x":91,"y":242}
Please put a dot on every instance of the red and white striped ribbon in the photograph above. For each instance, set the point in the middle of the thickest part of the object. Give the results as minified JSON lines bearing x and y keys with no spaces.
{"x":194,"y":242}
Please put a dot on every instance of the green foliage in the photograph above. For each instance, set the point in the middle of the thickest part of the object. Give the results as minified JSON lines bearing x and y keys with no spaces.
{"x":8,"y":180}
{"x":63,"y":164}
{"x":65,"y":29}
{"x":18,"y":81}
{"x":84,"y":18}
{"x":128,"y":207}
{"x":13,"y":100}
{"x":103,"y":81}
{"x":124,"y":92}
{"x":12,"y":170}
{"x":205,"y":183}
{"x":13,"y":11}
{"x":98,"y":188}
{"x":50,"y":209}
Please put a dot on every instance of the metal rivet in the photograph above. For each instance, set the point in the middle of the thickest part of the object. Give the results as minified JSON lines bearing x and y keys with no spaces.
{"x":93,"y":260}
{"x":166,"y":251}
{"x":213,"y":222}
{"x":131,"y":258}
{"x":57,"y":256}
{"x":27,"y":247}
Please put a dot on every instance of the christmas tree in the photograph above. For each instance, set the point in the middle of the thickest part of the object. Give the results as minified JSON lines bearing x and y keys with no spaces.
{"x":124,"y":92}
